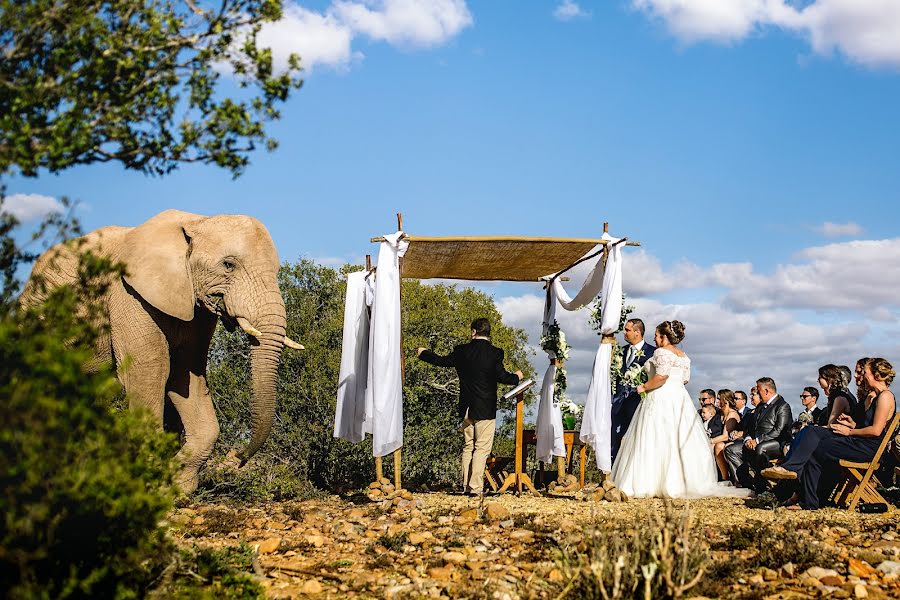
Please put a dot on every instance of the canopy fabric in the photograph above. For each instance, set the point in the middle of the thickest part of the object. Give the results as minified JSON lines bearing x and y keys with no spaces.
{"x":491,"y":258}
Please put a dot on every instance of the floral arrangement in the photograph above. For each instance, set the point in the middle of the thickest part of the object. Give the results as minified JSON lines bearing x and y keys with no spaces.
{"x":636,"y":374}
{"x":804,"y":418}
{"x":615,"y":364}
{"x":555,"y":345}
{"x":570,"y":412}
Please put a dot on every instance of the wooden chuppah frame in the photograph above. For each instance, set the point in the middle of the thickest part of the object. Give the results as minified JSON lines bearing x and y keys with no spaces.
{"x":519,"y":477}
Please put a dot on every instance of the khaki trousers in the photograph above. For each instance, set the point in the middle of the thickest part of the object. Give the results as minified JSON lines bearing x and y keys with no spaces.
{"x":479,"y":439}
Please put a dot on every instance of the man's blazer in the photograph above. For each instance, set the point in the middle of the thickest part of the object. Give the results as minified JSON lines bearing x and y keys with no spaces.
{"x":479,"y":365}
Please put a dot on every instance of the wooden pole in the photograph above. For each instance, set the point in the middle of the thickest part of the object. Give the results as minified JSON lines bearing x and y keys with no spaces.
{"x":398,"y":451}
{"x":519,"y":478}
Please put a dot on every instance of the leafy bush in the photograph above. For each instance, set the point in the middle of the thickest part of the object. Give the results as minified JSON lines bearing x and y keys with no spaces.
{"x":776,"y":545}
{"x":211,"y":574}
{"x":83,"y":487}
{"x":301,"y":447}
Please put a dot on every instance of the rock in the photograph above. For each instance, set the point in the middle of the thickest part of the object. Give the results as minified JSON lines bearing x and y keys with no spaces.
{"x":787,"y":571}
{"x":860,"y":591}
{"x":496,"y":512}
{"x":454,"y":558}
{"x":598,"y":495}
{"x":757,"y":579}
{"x":387,"y":489}
{"x":356,"y":513}
{"x":613,"y":495}
{"x":384,"y":481}
{"x":374,"y":485}
{"x":522,"y":535}
{"x":416,"y":539}
{"x":474,"y":565}
{"x":769,"y":574}
{"x":375,"y":493}
{"x":832,"y":580}
{"x":470,"y":514}
{"x":311,"y":586}
{"x":269,"y":545}
{"x":555,"y":576}
{"x":608,"y":484}
{"x":507,"y":524}
{"x":440,"y":573}
{"x":406,"y":495}
{"x":819,"y":572}
{"x":859,"y":568}
{"x":316,"y":541}
{"x":889,"y":567}
{"x":889,"y":535}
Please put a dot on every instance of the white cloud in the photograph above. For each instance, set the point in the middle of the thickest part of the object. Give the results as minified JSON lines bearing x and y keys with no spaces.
{"x":569,"y":10}
{"x":866,"y":31}
{"x":414,"y":22}
{"x":829,"y":229}
{"x":30,"y":207}
{"x":318,"y":39}
{"x":326,"y":38}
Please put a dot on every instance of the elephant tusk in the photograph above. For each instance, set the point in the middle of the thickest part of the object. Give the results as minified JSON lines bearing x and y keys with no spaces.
{"x":292,"y":344}
{"x":250,"y":329}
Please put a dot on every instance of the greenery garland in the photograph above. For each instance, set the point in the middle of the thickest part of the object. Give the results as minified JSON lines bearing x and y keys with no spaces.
{"x":615,"y":363}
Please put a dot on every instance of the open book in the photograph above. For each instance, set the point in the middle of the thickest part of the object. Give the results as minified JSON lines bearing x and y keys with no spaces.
{"x":523,"y":385}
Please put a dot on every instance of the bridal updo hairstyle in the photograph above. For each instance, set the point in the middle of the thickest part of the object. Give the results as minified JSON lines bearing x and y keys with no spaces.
{"x":672,"y":331}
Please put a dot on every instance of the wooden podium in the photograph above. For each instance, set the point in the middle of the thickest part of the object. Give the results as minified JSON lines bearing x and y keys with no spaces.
{"x":519,"y":478}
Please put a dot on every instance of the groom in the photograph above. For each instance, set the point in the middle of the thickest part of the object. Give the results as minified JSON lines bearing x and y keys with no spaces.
{"x":626,"y":399}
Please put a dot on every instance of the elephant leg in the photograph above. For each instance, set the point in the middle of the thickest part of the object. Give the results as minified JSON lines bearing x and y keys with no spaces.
{"x":141,"y":352}
{"x":201,"y":429}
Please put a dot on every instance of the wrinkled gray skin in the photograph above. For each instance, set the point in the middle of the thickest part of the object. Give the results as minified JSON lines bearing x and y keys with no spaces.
{"x":184,"y":271}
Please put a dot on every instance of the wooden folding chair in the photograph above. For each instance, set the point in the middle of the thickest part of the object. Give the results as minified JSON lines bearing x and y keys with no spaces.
{"x":495,"y":468}
{"x":859,"y":482}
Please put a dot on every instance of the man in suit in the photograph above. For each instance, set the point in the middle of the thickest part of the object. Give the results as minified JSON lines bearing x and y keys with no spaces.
{"x":626,"y":399}
{"x":717,"y":423}
{"x":479,"y":365}
{"x":772,"y":430}
{"x":809,"y":397}
{"x":740,"y":403}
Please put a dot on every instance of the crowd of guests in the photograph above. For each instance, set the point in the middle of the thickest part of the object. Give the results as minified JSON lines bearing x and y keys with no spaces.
{"x":749,"y":435}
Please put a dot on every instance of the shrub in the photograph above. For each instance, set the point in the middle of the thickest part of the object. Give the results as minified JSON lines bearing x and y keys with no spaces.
{"x":83,"y":487}
{"x":661,"y":556}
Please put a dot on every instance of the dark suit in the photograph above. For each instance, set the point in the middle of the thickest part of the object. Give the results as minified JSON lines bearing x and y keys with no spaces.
{"x":626,"y":399}
{"x":479,"y":365}
{"x":772,"y":430}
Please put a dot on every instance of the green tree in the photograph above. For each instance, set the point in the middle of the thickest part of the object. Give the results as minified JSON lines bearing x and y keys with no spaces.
{"x":135,"y":82}
{"x":301,"y":447}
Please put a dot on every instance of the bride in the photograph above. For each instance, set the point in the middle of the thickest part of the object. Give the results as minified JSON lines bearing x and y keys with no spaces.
{"x":665,"y":452}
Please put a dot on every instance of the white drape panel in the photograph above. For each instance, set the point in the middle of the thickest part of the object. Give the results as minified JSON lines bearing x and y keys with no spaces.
{"x":386,"y":377}
{"x":350,"y":411}
{"x":592,"y":286}
{"x":549,"y":427}
{"x":596,"y":423}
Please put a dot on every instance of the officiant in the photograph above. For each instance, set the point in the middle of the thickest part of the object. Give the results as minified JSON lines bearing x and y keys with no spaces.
{"x":626,"y":399}
{"x":479,"y":365}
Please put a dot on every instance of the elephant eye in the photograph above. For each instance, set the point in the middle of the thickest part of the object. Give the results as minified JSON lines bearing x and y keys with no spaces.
{"x":229,"y":266}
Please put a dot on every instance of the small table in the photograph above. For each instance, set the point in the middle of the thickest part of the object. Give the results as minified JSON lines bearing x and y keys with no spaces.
{"x":571,"y":437}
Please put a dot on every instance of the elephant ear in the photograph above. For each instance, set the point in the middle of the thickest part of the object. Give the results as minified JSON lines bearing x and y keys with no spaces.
{"x":156,"y":255}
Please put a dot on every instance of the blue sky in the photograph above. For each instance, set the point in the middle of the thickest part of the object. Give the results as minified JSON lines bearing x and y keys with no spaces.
{"x":718,"y":138}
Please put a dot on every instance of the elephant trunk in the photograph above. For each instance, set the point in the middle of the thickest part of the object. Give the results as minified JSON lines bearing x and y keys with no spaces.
{"x":265,"y":354}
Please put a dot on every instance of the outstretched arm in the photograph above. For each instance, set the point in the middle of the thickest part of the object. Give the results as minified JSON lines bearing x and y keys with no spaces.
{"x":504,"y":376}
{"x":436,"y":359}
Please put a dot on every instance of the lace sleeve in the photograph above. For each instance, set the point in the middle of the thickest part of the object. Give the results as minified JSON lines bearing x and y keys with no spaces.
{"x":664,"y":361}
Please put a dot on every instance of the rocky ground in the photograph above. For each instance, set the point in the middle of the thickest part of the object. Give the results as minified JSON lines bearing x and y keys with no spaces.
{"x":505,"y":547}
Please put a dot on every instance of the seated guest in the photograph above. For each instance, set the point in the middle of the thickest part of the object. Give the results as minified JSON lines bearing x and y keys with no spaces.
{"x":811,"y":413}
{"x":772,"y":431}
{"x":708,"y":398}
{"x":707,"y":413}
{"x":854,"y":437}
{"x":740,"y":403}
{"x":840,"y":399}
{"x":730,"y":420}
{"x":747,"y":429}
{"x":862,"y":392}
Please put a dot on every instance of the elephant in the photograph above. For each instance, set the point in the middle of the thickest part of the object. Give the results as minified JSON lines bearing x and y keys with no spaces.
{"x":183,"y":272}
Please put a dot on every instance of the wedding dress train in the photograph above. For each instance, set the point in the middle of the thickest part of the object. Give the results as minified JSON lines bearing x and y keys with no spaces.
{"x":665,"y":452}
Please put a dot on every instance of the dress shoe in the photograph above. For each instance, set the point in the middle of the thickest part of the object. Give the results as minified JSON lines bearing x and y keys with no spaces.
{"x":778,"y":473}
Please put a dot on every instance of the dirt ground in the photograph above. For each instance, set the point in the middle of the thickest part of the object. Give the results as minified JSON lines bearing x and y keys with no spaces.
{"x":507,"y":547}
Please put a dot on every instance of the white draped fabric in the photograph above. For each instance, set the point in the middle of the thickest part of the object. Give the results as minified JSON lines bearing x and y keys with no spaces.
{"x":351,"y":395}
{"x":385,"y":390}
{"x":549,"y":426}
{"x":596,"y":423}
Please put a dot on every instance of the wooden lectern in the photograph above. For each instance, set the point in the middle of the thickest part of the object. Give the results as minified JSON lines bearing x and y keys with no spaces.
{"x":518,"y":477}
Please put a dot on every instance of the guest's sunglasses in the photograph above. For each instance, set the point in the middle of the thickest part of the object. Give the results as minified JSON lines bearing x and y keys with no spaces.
{"x":806,"y":395}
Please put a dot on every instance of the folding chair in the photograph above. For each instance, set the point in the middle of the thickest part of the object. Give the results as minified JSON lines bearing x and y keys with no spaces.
{"x":859,"y":482}
{"x":495,"y":468}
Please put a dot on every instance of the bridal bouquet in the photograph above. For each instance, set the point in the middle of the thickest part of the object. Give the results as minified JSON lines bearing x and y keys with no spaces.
{"x":636,"y":374}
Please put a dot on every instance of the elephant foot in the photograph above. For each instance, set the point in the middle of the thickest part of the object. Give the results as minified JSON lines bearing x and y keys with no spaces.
{"x":187,"y":481}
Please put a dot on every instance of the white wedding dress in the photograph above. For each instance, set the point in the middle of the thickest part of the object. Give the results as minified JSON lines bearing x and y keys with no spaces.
{"x":665,"y":452}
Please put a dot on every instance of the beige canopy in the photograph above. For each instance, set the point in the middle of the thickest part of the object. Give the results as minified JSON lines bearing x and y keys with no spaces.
{"x":509,"y":258}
